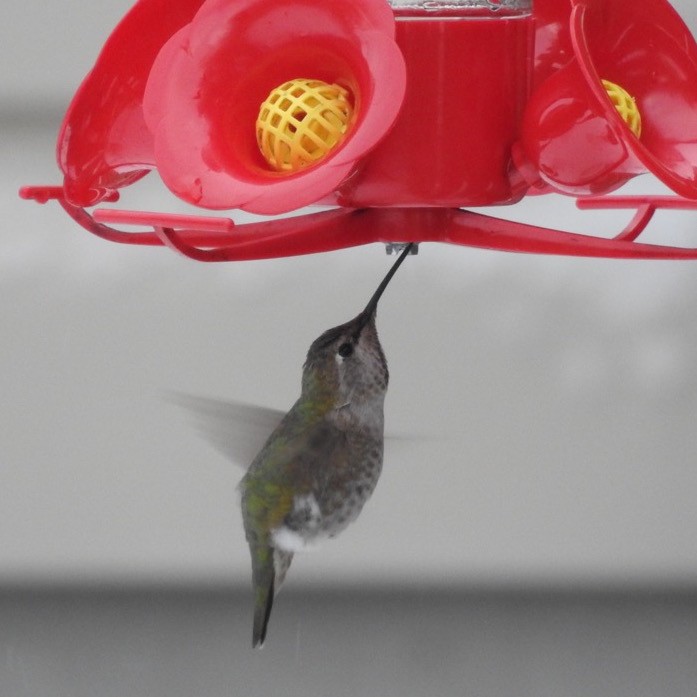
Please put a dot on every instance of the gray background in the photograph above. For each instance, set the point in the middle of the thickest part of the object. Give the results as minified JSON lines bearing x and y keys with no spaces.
{"x":553,"y":400}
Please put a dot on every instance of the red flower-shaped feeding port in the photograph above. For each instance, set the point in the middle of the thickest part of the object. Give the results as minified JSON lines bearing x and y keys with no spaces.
{"x":210,"y":79}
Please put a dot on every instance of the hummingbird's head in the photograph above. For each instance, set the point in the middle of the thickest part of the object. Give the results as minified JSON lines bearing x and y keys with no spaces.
{"x":347,"y":362}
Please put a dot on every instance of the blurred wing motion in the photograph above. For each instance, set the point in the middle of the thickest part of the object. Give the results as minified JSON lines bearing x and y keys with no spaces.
{"x":237,"y":430}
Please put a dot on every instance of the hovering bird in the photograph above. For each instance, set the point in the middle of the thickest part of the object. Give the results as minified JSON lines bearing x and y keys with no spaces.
{"x":323,"y":458}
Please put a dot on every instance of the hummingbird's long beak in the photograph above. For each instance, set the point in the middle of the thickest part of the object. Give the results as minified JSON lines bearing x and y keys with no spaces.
{"x":372,"y":305}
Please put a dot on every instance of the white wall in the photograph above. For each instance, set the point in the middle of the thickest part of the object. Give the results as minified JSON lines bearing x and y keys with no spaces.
{"x":554,"y":400}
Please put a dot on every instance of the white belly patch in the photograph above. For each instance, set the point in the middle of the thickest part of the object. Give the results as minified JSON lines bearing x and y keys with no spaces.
{"x":304,"y":534}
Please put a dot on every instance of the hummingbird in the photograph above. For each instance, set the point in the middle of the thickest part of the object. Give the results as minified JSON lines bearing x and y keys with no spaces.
{"x":321,"y":463}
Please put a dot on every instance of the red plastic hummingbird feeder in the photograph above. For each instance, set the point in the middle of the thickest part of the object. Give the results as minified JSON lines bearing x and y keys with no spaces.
{"x":400,"y":115}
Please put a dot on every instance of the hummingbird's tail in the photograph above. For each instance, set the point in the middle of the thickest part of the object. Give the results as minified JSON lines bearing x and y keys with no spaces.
{"x":263,"y":602}
{"x":269,"y":571}
{"x":263,"y":576}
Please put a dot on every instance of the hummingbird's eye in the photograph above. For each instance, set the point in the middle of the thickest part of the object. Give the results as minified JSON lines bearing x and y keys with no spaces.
{"x":345,"y":350}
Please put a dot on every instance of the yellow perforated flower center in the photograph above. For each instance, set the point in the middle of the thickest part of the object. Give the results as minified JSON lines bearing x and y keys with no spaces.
{"x":625,"y":105}
{"x":301,"y":122}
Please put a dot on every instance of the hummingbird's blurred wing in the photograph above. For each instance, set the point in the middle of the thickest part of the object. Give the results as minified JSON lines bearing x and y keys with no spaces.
{"x":237,"y":430}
